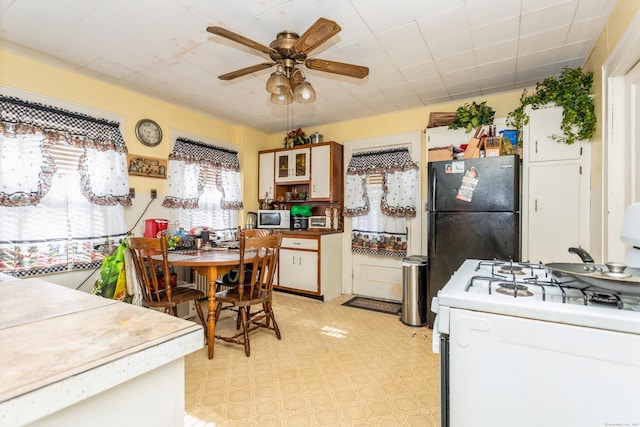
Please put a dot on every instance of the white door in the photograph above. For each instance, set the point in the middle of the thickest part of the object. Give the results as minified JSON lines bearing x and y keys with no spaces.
{"x":381,"y":276}
{"x":621,"y":77}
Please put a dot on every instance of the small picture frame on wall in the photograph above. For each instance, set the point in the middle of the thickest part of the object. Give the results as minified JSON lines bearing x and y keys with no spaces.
{"x":146,"y":166}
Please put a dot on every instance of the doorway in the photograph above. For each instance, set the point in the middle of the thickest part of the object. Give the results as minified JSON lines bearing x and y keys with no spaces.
{"x":621,"y":136}
{"x":372,"y":275}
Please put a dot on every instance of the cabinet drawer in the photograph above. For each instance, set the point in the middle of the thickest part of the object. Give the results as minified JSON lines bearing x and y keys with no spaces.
{"x":298,"y":243}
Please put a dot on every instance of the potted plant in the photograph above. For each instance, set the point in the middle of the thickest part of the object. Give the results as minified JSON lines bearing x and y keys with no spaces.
{"x":569,"y":91}
{"x":470,"y":116}
{"x":295,"y":137}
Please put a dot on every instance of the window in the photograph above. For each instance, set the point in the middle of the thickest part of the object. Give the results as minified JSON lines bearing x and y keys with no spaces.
{"x":380,"y":192}
{"x":222,"y":222}
{"x":376,"y":233}
{"x":204,"y":187}
{"x":61,"y":193}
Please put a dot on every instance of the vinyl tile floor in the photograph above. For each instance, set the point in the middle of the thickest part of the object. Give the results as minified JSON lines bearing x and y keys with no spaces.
{"x":335,"y":366}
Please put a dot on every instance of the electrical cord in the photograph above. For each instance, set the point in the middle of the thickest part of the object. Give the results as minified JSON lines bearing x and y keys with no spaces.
{"x":130,"y":232}
{"x":140,"y":217}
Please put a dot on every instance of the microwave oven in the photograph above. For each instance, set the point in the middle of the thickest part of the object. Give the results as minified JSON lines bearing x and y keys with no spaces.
{"x":274,"y":219}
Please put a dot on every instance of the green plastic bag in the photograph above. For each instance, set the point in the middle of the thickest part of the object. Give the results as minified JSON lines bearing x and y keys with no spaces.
{"x":111,"y":283}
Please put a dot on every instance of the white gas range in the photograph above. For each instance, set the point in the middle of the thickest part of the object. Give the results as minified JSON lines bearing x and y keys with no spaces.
{"x":518,"y":348}
{"x":552,"y":355}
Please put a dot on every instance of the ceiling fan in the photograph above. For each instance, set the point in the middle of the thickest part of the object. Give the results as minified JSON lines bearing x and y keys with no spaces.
{"x":288,"y":51}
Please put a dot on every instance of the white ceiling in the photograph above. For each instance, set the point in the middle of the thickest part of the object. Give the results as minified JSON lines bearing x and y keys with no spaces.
{"x":419,"y":52}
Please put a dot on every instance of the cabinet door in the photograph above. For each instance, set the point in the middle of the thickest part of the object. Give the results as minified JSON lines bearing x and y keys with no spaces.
{"x":292,"y":165}
{"x":321,"y":172}
{"x":542,"y":125}
{"x":298,"y":270}
{"x":554,"y":211}
{"x":266,"y":170}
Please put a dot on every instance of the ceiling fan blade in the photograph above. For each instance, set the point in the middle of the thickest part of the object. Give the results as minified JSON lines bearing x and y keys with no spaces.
{"x":321,"y":31}
{"x":222,"y":32}
{"x":244,"y":71}
{"x":334,"y":67}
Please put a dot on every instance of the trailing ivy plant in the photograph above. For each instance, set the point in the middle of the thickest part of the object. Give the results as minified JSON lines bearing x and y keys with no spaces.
{"x":470,"y":116}
{"x":569,"y":91}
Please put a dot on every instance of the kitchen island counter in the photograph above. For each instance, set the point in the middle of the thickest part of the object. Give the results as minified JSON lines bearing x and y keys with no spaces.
{"x":69,"y":357}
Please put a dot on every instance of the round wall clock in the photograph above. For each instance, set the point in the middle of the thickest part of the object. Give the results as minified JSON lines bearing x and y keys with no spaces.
{"x":149,"y":132}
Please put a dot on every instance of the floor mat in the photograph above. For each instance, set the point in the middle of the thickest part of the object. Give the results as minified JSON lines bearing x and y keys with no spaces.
{"x":388,"y":307}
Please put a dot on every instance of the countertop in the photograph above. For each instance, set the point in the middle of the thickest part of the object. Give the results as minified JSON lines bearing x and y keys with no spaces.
{"x":306,"y":232}
{"x":60,"y":346}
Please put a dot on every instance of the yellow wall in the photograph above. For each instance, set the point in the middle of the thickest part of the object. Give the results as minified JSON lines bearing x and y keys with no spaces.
{"x":43,"y":79}
{"x":404,"y":121}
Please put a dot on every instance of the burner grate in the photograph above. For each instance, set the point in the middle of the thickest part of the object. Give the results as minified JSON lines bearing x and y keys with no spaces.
{"x":514,"y":289}
{"x":534,"y":281}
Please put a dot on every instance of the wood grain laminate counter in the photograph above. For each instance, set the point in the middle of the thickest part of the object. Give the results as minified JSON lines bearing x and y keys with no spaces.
{"x":68,"y":355}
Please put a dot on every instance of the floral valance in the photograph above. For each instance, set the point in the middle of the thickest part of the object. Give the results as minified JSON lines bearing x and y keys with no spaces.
{"x":30,"y":132}
{"x":399,"y":174}
{"x":193,"y":164}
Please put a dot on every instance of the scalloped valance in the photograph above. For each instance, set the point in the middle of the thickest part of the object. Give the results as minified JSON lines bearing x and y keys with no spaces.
{"x":192,"y":164}
{"x":30,"y":132}
{"x":399,"y":174}
{"x":191,"y":151}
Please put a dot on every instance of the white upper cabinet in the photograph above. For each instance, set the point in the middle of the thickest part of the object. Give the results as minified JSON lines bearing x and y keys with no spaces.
{"x":292,"y":165}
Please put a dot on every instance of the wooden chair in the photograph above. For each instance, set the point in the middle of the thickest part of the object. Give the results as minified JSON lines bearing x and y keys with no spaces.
{"x":232,"y":278}
{"x":258,"y":291}
{"x":150,"y":256}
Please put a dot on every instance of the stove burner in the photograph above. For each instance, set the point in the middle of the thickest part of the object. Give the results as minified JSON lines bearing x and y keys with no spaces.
{"x":513,"y":290}
{"x":511,"y":269}
{"x":606,"y":299}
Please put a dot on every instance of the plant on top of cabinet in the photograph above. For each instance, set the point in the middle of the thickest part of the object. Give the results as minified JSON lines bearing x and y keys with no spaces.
{"x":295,"y":137}
{"x":569,"y":91}
{"x":470,"y":116}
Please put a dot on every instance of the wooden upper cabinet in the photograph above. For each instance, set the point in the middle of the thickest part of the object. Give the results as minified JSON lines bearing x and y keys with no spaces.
{"x":266,"y":175}
{"x":326,"y":172}
{"x":292,"y":165}
{"x":316,"y":168}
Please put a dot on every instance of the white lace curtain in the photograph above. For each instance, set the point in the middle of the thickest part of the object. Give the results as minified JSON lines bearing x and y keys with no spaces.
{"x":31,"y":130}
{"x":192,"y":164}
{"x":63,"y":185}
{"x":380,"y":194}
{"x":399,"y":175}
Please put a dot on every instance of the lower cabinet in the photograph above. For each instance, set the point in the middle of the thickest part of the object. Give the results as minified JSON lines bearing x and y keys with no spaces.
{"x":311,"y":265}
{"x":299,"y":270}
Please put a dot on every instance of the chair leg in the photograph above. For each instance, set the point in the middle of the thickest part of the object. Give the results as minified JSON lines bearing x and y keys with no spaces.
{"x":270,"y":315}
{"x":267,"y":319}
{"x":201,"y":316}
{"x":245,"y":329}
{"x":218,"y":310}
{"x":175,"y":310}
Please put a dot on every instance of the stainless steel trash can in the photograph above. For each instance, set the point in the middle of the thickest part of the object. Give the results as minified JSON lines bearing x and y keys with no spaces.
{"x":414,"y":290}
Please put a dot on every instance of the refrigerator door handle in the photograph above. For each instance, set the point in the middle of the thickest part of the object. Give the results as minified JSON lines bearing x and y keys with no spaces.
{"x":434,"y":179}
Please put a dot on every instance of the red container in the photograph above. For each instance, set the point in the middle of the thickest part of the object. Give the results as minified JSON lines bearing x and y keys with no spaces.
{"x":153,"y":226}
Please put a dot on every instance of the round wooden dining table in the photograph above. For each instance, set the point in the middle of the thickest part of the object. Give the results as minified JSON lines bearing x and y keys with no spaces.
{"x":211,"y":264}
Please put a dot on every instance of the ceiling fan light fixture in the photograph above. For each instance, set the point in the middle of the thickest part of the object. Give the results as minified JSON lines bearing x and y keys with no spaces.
{"x":278,"y":83}
{"x":282,"y":99}
{"x":304,"y":93}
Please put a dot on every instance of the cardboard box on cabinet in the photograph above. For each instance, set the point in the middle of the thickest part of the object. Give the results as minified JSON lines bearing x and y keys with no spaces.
{"x":440,"y":153}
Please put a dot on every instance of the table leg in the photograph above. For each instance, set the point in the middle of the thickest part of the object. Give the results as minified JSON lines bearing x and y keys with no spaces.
{"x":211,"y":316}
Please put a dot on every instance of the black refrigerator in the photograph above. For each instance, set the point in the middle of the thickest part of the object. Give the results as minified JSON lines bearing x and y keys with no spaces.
{"x":474,"y":212}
